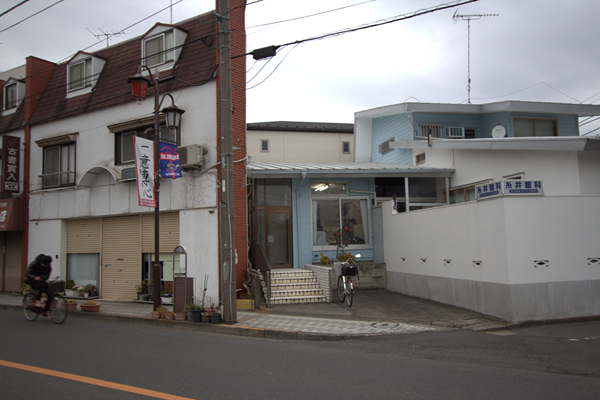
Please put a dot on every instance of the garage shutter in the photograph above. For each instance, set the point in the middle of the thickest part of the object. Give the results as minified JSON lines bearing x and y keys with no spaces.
{"x":84,"y":236}
{"x":169,"y":232}
{"x":13,"y":262}
{"x":121,"y":257}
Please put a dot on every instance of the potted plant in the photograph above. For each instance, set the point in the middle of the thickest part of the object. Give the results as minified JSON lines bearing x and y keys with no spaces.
{"x":90,"y":306}
{"x":91,"y":290}
{"x":78,"y":290}
{"x":155,"y":314}
{"x":161,"y":311}
{"x":69,"y":288}
{"x":71,"y":305}
{"x":166,"y":298}
{"x":180,"y":316}
{"x":194,"y":312}
{"x":215,"y":315}
{"x":169,"y":314}
{"x":142,"y":291}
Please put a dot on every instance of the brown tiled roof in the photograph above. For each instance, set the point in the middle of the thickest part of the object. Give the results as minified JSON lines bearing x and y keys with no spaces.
{"x":196,"y":64}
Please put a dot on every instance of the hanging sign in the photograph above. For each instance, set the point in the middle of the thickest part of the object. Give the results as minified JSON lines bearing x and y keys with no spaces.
{"x":10,"y":164}
{"x":170,"y":167}
{"x":144,"y":171}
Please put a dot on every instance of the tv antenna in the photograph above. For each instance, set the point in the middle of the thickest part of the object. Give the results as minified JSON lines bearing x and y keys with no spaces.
{"x":468,"y":18}
{"x":106,"y":35}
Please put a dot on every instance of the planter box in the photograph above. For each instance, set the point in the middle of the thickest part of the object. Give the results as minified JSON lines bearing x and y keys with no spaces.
{"x":244,"y":304}
{"x":166,"y":300}
{"x":90,"y":308}
{"x":169,"y":316}
{"x":71,"y":306}
{"x":180,"y":317}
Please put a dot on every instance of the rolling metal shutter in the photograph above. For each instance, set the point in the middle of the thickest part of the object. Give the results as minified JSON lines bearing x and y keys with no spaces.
{"x":169,"y":232}
{"x":121,"y":266}
{"x":84,"y":236}
{"x":12,"y":265}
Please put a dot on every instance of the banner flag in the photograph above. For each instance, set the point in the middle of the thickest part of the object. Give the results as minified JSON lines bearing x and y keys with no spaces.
{"x":170,"y":167}
{"x":144,"y":171}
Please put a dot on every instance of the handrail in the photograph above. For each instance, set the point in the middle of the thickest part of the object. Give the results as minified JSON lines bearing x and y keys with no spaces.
{"x":262,"y":264}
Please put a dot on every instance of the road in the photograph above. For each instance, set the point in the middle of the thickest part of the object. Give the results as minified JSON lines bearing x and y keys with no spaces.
{"x":91,"y":357}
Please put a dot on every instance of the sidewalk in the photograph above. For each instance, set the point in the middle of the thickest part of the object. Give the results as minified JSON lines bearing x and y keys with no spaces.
{"x":374,"y":312}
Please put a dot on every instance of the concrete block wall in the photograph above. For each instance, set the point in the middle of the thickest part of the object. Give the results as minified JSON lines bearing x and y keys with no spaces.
{"x":371,"y":276}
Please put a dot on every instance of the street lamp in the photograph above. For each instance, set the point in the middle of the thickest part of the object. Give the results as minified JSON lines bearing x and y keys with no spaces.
{"x":139,"y":85}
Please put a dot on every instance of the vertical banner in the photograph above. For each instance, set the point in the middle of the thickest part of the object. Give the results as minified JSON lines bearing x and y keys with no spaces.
{"x":170,"y":167}
{"x":144,"y":171}
{"x":10,"y":164}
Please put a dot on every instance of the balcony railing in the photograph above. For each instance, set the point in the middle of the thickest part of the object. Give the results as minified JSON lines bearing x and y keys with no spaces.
{"x":57,"y":179}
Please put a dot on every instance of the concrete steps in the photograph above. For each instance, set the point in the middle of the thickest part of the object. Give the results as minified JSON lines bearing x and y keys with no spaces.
{"x":293,"y":286}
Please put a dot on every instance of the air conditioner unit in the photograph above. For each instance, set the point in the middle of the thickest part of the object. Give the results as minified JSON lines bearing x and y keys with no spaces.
{"x":455,"y":132}
{"x":191,"y":156}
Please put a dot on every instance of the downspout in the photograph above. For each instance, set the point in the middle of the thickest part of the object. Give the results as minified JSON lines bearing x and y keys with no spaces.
{"x":298,"y":219}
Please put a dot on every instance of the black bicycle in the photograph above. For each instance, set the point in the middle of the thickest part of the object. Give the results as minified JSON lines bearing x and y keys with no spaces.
{"x":33,"y":308}
{"x":345,"y":287}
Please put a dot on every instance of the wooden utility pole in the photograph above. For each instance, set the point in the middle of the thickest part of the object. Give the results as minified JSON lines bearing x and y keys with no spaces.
{"x":228,"y":267}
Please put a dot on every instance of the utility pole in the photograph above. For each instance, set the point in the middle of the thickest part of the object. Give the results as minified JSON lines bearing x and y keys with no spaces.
{"x":228,"y":267}
{"x":468,"y":18}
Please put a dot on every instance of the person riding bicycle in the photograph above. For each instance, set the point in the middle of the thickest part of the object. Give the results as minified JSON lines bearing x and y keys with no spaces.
{"x":38,"y":273}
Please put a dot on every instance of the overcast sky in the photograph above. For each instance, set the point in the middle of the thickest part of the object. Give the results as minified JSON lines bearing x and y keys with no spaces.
{"x":533,"y":51}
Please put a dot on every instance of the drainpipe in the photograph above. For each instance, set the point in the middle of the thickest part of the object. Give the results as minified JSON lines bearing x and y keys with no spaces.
{"x":298,"y":219}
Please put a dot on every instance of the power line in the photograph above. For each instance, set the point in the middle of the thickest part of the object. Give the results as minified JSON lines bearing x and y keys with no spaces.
{"x":32,"y":15}
{"x":12,"y":8}
{"x":308,"y":16}
{"x":288,"y":53}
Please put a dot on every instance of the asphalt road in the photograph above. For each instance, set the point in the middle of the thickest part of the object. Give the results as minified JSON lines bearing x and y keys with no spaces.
{"x":539,"y":362}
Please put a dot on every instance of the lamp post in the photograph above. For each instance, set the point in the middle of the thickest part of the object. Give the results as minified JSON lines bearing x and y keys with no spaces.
{"x":139,"y":85}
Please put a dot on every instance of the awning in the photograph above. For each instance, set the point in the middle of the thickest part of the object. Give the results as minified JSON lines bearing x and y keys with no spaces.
{"x":11,"y":214}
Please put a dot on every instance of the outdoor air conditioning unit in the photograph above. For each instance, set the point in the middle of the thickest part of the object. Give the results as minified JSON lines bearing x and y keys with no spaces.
{"x":191,"y":156}
{"x":455,"y":132}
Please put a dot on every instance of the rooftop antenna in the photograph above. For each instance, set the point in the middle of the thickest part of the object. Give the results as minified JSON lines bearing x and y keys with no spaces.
{"x":106,"y":35}
{"x":468,"y":18}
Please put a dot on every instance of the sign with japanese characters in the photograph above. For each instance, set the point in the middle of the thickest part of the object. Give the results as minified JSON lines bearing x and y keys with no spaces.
{"x":144,"y":171}
{"x":170,"y":166}
{"x":511,"y":187}
{"x":10,"y":164}
{"x":488,"y":190}
{"x":520,"y":187}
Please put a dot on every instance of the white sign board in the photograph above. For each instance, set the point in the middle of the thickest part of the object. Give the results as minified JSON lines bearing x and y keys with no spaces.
{"x":511,"y":187}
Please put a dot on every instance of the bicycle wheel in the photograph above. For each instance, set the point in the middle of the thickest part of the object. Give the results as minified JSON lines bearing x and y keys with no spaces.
{"x":350,"y":294}
{"x":59,"y":311}
{"x":28,"y":301}
{"x":340,"y":289}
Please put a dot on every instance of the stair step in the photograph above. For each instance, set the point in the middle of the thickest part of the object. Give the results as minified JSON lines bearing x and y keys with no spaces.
{"x":296,"y":293}
{"x":297,"y":300}
{"x":295,"y":286}
{"x":288,"y":280}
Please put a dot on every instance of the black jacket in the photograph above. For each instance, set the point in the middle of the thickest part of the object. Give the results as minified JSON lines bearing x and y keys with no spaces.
{"x":37,"y":269}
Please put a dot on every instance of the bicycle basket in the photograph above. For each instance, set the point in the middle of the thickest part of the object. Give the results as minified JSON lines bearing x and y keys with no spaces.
{"x":349,"y":271}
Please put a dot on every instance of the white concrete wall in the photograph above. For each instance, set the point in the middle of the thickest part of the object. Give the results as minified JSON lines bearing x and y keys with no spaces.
{"x":50,"y":238}
{"x":431,"y":253}
{"x":560,"y":170}
{"x":299,"y":146}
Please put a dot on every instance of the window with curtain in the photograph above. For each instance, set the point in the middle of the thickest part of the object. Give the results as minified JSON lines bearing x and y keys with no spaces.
{"x":155,"y":49}
{"x":80,"y":74}
{"x":331,"y":215}
{"x":10,"y":96}
{"x":59,"y":166}
{"x":124,"y":149}
{"x":525,"y":127}
{"x":83,"y":268}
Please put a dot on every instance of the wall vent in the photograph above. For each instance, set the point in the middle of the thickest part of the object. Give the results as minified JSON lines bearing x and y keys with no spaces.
{"x":385,"y":146}
{"x":541,"y":263}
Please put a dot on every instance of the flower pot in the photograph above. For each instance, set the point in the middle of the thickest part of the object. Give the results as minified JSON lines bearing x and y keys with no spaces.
{"x":170,"y":316}
{"x":194,"y":315}
{"x":71,"y":306}
{"x":215,"y":318}
{"x":90,"y":308}
{"x":69,"y":293}
{"x":166,"y":300}
{"x":162,"y":314}
{"x":155,"y":314}
{"x":142,"y":297}
{"x":86,"y":294}
{"x":180,"y":316}
{"x":205,"y":317}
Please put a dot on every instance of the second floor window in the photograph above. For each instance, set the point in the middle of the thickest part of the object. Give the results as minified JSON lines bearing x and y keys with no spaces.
{"x":124,"y":149}
{"x":156,"y":49}
{"x":524,"y":127}
{"x":59,"y":166}
{"x":10,"y":96}
{"x":80,"y":74}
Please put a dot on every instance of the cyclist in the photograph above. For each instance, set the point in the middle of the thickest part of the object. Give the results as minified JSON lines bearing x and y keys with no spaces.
{"x":38,"y":273}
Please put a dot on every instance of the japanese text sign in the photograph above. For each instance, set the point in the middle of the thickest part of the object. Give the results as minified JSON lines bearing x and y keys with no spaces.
{"x":144,"y":171}
{"x":11,"y":153}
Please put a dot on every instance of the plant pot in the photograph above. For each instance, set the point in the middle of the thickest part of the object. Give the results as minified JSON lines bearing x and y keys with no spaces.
{"x":162,"y":314}
{"x":215,"y":318}
{"x":90,"y":308}
{"x":69,"y":293}
{"x":142,"y":297}
{"x":180,"y":316}
{"x":86,"y":294}
{"x":170,"y":316}
{"x":205,"y":317}
{"x":194,"y":315}
{"x":244,"y":304}
{"x":71,"y":306}
{"x":166,"y":300}
{"x":155,"y":314}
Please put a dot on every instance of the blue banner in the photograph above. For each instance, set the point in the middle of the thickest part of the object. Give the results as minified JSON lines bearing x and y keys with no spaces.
{"x":169,"y":161}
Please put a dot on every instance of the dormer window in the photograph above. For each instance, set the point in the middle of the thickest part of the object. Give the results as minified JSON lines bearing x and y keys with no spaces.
{"x":156,"y":49}
{"x":162,"y":45}
{"x":12,"y":95}
{"x":80,"y":74}
{"x":83,"y":71}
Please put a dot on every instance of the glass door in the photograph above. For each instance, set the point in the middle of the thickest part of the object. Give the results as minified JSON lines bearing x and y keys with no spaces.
{"x":278,"y":238}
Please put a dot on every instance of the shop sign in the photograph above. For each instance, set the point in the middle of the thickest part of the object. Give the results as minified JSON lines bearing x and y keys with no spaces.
{"x":511,"y":187}
{"x":144,"y":170}
{"x":11,"y":152}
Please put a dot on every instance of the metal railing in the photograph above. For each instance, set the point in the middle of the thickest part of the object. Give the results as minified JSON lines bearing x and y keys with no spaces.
{"x":261,"y":263}
{"x":57,"y":179}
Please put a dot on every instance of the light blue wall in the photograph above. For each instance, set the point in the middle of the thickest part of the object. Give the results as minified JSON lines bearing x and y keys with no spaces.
{"x":467,"y":121}
{"x":308,"y":256}
{"x":397,"y":127}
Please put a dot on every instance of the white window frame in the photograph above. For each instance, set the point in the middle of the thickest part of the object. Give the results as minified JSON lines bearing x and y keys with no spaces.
{"x":11,"y":87}
{"x":87,"y":78}
{"x":166,"y":52}
{"x":65,"y":174}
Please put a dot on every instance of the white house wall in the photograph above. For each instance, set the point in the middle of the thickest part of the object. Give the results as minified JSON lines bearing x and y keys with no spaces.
{"x":50,"y":238}
{"x":483,"y":255}
{"x":589,"y":178}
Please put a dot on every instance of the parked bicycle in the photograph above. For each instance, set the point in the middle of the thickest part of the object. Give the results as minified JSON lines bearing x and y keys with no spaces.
{"x":32,"y":308}
{"x":345,"y":286}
